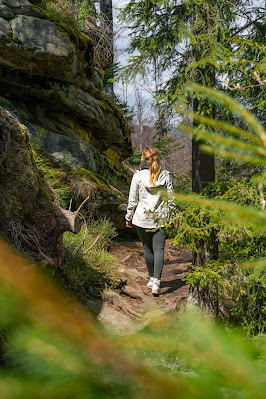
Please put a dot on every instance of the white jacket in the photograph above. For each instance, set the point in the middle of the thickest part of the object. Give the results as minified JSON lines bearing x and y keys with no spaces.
{"x":145,"y":198}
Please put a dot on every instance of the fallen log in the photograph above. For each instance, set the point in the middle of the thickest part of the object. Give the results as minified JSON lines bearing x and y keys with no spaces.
{"x":69,"y":221}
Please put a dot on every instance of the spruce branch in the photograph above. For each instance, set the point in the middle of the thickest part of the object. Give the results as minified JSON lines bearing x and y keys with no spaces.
{"x":232,"y":105}
{"x":234,"y":130}
{"x":245,"y":14}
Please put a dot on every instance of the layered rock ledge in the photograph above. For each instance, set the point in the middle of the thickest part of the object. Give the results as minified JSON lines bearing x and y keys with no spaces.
{"x":47,"y":72}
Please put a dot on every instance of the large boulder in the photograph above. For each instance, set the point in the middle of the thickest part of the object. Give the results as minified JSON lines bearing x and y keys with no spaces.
{"x":47,"y":72}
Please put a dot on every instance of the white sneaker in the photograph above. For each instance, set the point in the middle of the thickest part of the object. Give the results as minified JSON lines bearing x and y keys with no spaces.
{"x":150,"y":283}
{"x":156,"y":287}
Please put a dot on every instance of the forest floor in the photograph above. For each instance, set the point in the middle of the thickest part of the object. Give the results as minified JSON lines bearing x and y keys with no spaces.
{"x":124,"y":308}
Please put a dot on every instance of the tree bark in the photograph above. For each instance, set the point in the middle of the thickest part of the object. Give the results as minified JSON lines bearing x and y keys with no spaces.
{"x":69,"y":221}
{"x":203,"y":167}
{"x":203,"y":172}
{"x":106,"y":8}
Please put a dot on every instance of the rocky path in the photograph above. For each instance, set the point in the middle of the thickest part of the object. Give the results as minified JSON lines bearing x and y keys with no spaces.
{"x":124,"y":308}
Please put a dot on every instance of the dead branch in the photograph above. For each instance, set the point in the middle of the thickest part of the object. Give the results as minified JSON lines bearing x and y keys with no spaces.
{"x":127,"y":257}
{"x":81,"y":205}
{"x":92,"y":245}
{"x":69,"y":221}
{"x":244,"y":13}
{"x":128,"y":167}
{"x":116,"y":190}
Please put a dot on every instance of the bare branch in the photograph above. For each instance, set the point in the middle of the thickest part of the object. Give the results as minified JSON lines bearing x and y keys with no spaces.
{"x":244,"y":13}
{"x":79,"y":208}
{"x":92,"y":245}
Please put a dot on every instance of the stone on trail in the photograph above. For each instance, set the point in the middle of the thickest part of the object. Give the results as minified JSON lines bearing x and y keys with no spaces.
{"x":115,"y":299}
{"x":114,"y":319}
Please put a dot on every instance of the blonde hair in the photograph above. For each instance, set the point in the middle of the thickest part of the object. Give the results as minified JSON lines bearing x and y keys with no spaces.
{"x":151,"y":154}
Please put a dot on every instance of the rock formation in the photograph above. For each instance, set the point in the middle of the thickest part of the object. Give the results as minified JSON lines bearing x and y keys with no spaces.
{"x":47,"y":72}
{"x":49,"y":82}
{"x":28,"y":216}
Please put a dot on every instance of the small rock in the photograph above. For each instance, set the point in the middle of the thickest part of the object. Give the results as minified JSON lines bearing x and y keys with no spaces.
{"x":4,"y":27}
{"x":123,"y":207}
{"x":94,"y":306}
{"x":114,"y":319}
{"x":135,"y":273}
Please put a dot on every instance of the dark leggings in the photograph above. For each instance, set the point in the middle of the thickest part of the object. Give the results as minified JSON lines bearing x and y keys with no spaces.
{"x":153,"y":244}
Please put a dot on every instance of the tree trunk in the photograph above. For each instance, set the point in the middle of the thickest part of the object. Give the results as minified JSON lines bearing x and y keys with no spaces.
{"x":69,"y":221}
{"x":106,"y":8}
{"x":203,"y":167}
{"x":29,"y":218}
{"x":203,"y":172}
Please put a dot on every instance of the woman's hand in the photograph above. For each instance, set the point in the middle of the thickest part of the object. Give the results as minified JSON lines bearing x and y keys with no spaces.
{"x":129,"y":224}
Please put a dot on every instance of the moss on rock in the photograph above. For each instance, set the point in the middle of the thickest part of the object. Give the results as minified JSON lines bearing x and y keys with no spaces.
{"x":82,"y":42}
{"x":29,"y":217}
{"x":112,"y":157}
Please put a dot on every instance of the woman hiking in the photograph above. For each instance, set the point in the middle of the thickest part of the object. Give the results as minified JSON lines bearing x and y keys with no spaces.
{"x":148,"y":211}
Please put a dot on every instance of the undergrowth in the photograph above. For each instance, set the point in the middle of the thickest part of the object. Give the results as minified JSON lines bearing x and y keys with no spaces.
{"x":71,"y":184}
{"x":88,"y":267}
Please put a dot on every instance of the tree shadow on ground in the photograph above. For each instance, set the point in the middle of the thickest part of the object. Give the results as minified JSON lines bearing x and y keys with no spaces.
{"x":172,"y":286}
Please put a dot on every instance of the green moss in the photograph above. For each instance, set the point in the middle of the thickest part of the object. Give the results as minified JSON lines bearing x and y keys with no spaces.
{"x":95,"y":177}
{"x":62,"y":176}
{"x":101,"y":72}
{"x":83,"y":134}
{"x":80,"y":40}
{"x":109,"y":107}
{"x":112,"y":157}
{"x":106,"y":107}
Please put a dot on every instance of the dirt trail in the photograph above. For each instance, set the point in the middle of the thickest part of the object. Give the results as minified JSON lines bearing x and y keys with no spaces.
{"x":133,"y":269}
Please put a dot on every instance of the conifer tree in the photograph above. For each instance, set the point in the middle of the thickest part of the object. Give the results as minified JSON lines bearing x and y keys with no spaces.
{"x":194,"y":40}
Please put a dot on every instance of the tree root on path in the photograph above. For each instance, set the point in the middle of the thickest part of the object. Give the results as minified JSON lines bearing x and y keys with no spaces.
{"x":133,"y":293}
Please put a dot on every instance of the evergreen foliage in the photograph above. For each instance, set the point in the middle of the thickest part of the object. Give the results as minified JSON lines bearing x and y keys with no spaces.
{"x":192,"y":39}
{"x":235,"y":209}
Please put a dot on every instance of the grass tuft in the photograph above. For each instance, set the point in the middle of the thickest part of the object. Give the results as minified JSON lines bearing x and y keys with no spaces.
{"x":88,"y":267}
